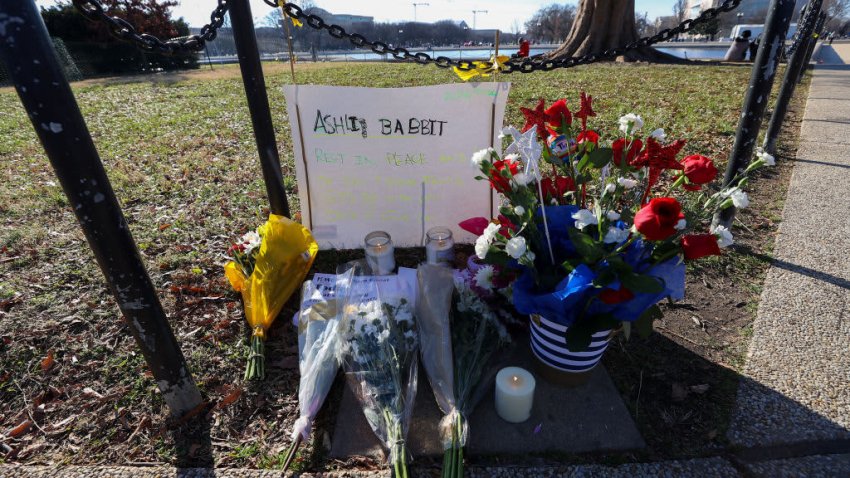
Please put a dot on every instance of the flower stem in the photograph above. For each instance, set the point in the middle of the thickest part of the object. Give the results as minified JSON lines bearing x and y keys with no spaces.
{"x":256,"y":369}
{"x":459,"y":466}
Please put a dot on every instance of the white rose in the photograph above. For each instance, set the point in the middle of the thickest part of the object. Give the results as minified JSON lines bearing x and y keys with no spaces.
{"x":522,"y":179}
{"x":739,"y":198}
{"x":612,"y":215}
{"x":584,"y":217}
{"x":481,"y":247}
{"x":610,"y":188}
{"x":768,"y":159}
{"x":627,"y":183}
{"x":724,"y":236}
{"x":251,"y":241}
{"x":490,"y":232}
{"x":516,"y":247}
{"x":630,"y":123}
{"x":480,"y":157}
{"x":681,"y":225}
{"x":658,"y":134}
{"x":615,"y":235}
{"x":519,"y":210}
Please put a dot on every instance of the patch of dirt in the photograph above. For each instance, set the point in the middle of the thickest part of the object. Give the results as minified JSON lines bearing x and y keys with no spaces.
{"x":680,"y":383}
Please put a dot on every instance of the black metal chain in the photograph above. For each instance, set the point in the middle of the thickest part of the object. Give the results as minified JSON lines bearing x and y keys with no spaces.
{"x":122,"y":29}
{"x":526,"y":65}
{"x":804,"y":25}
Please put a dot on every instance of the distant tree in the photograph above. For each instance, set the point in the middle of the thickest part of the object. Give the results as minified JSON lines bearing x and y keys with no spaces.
{"x":835,"y":9}
{"x":709,"y":28}
{"x":643,"y":26}
{"x":147,"y":16}
{"x":680,"y":10}
{"x":92,"y":44}
{"x":551,"y":23}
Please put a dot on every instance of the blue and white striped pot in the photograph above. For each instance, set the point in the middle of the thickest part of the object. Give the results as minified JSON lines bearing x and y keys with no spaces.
{"x":549,"y":344}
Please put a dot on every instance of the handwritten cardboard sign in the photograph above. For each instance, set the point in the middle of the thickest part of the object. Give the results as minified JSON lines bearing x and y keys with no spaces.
{"x":392,"y":159}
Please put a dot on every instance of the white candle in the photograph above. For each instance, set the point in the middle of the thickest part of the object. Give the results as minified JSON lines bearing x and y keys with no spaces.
{"x":380,"y":253}
{"x":439,"y":246}
{"x":514,"y":394}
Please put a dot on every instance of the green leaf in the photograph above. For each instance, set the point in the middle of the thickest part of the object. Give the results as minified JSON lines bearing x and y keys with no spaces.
{"x":580,"y":334}
{"x":641,"y":283}
{"x":664,"y":251}
{"x":644,"y":323}
{"x":600,"y":157}
{"x":605,"y":277}
{"x":589,"y":249}
{"x":583,"y":162}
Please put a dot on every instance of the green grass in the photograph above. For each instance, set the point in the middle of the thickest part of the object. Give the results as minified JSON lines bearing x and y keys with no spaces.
{"x":179,"y":150}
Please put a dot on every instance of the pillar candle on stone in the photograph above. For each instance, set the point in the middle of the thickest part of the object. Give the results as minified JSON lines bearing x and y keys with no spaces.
{"x":514,"y":394}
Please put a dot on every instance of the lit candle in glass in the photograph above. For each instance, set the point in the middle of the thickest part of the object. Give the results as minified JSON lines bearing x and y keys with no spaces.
{"x":514,"y":394}
{"x":439,"y":246}
{"x":380,"y":253}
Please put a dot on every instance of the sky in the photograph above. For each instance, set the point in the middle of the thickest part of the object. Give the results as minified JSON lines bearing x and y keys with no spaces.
{"x":500,"y":13}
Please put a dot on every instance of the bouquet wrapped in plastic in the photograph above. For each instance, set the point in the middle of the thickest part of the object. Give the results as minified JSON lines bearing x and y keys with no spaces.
{"x":318,"y":351}
{"x":267,"y":266}
{"x":379,"y":356}
{"x":459,"y":332}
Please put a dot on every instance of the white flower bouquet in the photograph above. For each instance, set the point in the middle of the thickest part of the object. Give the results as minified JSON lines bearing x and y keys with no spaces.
{"x":379,"y":355}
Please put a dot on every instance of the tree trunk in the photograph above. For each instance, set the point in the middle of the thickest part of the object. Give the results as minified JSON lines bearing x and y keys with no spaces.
{"x":604,"y":24}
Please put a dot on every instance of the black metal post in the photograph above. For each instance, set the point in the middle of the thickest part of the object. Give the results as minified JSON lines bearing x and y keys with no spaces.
{"x":792,"y":73}
{"x":812,"y":44}
{"x":761,"y":81}
{"x":27,"y":53}
{"x":258,"y":103}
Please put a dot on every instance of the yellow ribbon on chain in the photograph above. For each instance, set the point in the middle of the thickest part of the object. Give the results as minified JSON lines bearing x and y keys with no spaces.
{"x":483,"y":68}
{"x":295,"y":21}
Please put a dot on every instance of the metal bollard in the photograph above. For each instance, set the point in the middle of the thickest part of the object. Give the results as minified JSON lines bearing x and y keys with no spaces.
{"x":761,"y":81}
{"x":27,"y":52}
{"x":813,"y":41}
{"x":258,"y":104}
{"x":789,"y":81}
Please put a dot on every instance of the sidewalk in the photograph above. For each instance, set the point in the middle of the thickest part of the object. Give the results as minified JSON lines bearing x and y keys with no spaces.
{"x":796,"y":389}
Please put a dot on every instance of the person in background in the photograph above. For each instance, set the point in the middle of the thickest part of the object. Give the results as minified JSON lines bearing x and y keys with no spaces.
{"x":831,"y":37}
{"x":524,"y":47}
{"x":738,"y":50}
{"x":754,"y":48}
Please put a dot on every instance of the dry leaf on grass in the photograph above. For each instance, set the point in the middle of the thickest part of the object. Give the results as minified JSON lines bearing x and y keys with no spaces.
{"x":20,"y":429}
{"x":48,"y":361}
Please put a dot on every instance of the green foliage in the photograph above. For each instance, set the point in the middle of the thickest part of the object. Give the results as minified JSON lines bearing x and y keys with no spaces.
{"x":96,"y":52}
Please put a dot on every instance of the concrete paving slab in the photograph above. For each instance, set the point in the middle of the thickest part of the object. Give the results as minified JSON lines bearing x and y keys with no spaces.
{"x":819,"y":466}
{"x":798,"y":369}
{"x":588,"y":418}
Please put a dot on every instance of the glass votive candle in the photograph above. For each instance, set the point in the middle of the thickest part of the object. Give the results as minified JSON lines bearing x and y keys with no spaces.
{"x":380,"y":253}
{"x":439,"y":246}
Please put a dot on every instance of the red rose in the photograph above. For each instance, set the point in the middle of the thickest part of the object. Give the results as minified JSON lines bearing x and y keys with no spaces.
{"x":611,"y":296}
{"x":475,"y":225}
{"x":499,"y":182}
{"x":700,"y":245}
{"x":555,"y":189}
{"x":699,"y":169}
{"x":657,"y":220}
{"x":558,"y":113}
{"x":620,"y":145}
{"x":588,"y":135}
